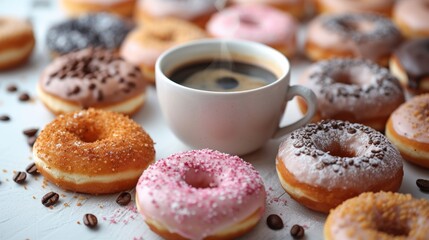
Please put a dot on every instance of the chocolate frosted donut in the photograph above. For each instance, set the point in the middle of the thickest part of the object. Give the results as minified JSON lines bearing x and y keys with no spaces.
{"x":92,"y":78}
{"x":410,"y":64}
{"x":353,"y":90}
{"x":357,"y":35}
{"x":92,"y":30}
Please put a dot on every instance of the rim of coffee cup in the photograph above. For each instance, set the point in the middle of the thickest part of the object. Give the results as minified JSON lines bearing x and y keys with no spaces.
{"x":279,"y":55}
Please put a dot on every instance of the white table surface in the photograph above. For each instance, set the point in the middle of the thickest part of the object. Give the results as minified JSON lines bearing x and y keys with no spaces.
{"x":22,"y":216}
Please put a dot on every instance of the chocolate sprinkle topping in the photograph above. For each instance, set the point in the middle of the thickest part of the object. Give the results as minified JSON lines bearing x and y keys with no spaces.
{"x":93,"y":30}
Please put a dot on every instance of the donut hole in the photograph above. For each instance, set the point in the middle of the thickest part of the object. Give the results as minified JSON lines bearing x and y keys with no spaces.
{"x":337,"y":149}
{"x":343,"y":77}
{"x":199,"y":179}
{"x":247,"y":20}
{"x":353,"y":76}
{"x":163,"y":37}
{"x":89,"y":133}
{"x":357,"y":26}
{"x":393,"y":229}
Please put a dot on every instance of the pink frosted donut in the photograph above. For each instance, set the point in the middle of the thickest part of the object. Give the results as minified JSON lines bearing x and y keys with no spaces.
{"x":258,"y":23}
{"x":412,"y":18}
{"x":199,"y":194}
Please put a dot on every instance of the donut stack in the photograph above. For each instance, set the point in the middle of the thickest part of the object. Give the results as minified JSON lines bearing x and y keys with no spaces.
{"x":369,"y":70}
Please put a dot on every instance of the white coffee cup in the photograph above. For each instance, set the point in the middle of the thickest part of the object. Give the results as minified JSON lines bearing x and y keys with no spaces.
{"x":232,"y":122}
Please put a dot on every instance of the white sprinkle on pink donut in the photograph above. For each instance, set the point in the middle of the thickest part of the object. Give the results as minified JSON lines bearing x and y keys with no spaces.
{"x":200,"y":192}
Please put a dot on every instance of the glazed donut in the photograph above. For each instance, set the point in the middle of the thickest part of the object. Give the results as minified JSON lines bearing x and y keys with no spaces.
{"x":321,"y":165}
{"x":93,"y":151}
{"x":353,"y":90}
{"x":201,"y":194}
{"x":16,"y":42}
{"x":376,"y":216}
{"x":195,"y":11}
{"x":92,"y":78}
{"x":122,"y":8}
{"x":354,"y":35}
{"x":143,"y":46}
{"x":409,"y":64}
{"x":408,"y":129}
{"x":412,"y":17}
{"x":296,"y":8}
{"x":258,"y":23}
{"x":383,"y":7}
{"x":94,"y":30}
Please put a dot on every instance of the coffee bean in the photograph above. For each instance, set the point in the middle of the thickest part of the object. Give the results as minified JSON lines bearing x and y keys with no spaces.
{"x":423,"y":184}
{"x":297,"y":231}
{"x":12,"y":88}
{"x":19,"y":177}
{"x":123,"y":199}
{"x":50,"y":199}
{"x":31,"y":169}
{"x":30,"y":132}
{"x":4,"y":118}
{"x":274,"y":222}
{"x":90,"y":220}
{"x":23,"y":97}
{"x":31,"y":140}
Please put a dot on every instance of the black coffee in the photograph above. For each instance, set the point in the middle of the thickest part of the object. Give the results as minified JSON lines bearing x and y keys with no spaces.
{"x":222,"y":76}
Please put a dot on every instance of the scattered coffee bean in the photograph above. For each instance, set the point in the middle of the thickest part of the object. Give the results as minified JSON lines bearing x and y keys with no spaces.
{"x":19,"y":177}
{"x":423,"y":184}
{"x":4,"y":118}
{"x":90,"y":220}
{"x":123,"y":199}
{"x":297,"y":231}
{"x":274,"y":222}
{"x":12,"y":88}
{"x":50,"y":199}
{"x":23,"y":97}
{"x":30,"y":132}
{"x":31,"y":140}
{"x":31,"y":169}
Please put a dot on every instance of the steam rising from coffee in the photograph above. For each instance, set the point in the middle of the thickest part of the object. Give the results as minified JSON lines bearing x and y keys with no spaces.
{"x":224,"y":71}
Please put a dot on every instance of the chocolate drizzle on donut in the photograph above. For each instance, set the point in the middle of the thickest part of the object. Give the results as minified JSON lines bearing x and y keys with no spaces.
{"x":337,"y":155}
{"x":361,"y":27}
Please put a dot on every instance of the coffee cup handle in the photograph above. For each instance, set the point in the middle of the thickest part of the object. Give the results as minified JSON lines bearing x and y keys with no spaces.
{"x":311,"y":100}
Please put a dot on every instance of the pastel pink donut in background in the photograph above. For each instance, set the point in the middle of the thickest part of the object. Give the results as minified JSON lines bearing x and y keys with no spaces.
{"x":258,"y":23}
{"x":201,"y":194}
{"x":195,"y":11}
{"x":412,"y":18}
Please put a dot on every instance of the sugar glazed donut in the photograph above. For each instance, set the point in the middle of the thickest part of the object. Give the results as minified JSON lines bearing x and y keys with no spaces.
{"x":357,"y":35}
{"x":201,"y":194}
{"x":412,"y":17}
{"x":353,"y":90}
{"x":408,"y":129}
{"x":321,"y":165}
{"x":376,"y":216}
{"x":93,"y":151}
{"x":296,"y":8}
{"x":16,"y":42}
{"x":92,"y":78}
{"x":383,"y":7}
{"x":196,"y":11}
{"x":93,"y":30}
{"x":256,"y":22}
{"x":409,"y":64}
{"x":119,"y":7}
{"x":144,"y":45}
